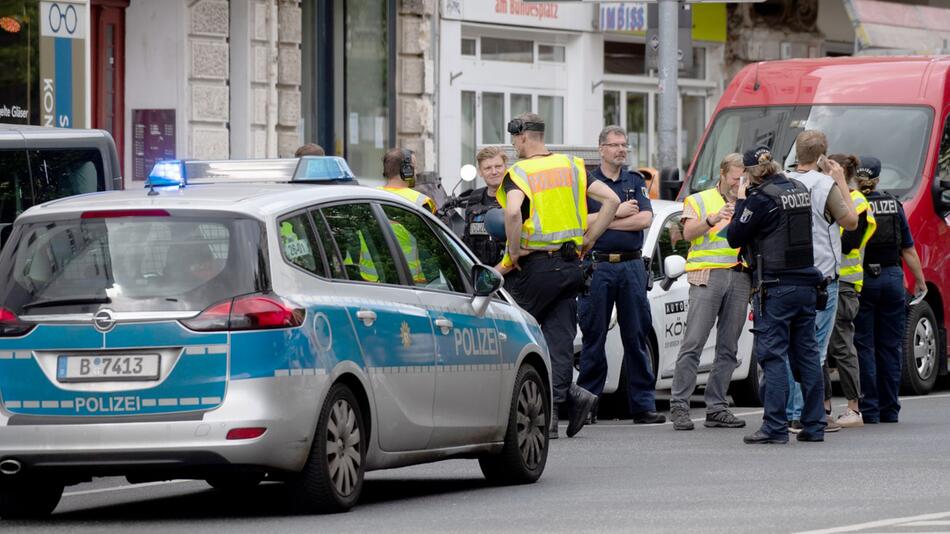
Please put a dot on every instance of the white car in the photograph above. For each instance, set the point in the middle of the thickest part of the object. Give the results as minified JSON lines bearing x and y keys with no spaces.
{"x":667,"y":248}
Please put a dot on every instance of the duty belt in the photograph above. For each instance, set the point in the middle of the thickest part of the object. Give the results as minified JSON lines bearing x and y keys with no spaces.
{"x":614,"y":257}
{"x":874,"y":269}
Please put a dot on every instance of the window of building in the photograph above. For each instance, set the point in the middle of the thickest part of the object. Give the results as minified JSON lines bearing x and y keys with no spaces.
{"x":468,"y":127}
{"x":519,"y":104}
{"x":624,"y":58}
{"x":551,"y":109}
{"x":694,"y":122}
{"x":468,"y":46}
{"x":637,"y":134}
{"x":493,"y":118}
{"x":515,"y":50}
{"x":552,"y":53}
{"x":611,"y":107}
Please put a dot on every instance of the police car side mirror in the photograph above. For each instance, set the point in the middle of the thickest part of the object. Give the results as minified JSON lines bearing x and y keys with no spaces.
{"x":673,"y":267}
{"x":486,"y":282}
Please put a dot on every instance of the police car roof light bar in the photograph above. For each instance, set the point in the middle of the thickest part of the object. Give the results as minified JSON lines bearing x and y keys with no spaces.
{"x":312,"y":169}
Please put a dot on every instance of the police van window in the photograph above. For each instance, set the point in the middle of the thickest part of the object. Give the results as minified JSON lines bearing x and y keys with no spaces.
{"x":430,"y":264}
{"x":60,"y":173}
{"x":15,"y":176}
{"x":334,"y":258}
{"x":299,"y":245}
{"x":943,"y":160}
{"x":670,"y":243}
{"x":360,"y":239}
{"x":140,"y":264}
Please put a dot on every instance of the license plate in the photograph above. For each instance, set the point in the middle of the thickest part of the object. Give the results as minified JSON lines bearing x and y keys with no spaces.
{"x":477,"y":228}
{"x":100,"y":368}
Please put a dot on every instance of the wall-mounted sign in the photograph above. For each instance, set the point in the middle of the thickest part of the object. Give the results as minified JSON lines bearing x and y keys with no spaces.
{"x":576,"y":16}
{"x":63,"y":64}
{"x":153,"y":139}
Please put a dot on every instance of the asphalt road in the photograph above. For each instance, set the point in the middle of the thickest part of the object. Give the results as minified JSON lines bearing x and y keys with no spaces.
{"x":612,"y":477}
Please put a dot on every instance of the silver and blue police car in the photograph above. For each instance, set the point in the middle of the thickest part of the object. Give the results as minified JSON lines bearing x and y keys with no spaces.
{"x":233,"y":324}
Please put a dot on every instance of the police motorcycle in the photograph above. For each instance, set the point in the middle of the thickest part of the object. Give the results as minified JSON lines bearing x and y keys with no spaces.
{"x":451,"y":206}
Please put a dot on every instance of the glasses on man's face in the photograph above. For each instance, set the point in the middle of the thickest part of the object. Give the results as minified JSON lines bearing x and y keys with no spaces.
{"x":615,"y":146}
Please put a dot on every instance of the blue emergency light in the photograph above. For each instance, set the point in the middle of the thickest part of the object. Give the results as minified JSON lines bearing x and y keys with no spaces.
{"x":322,"y":169}
{"x":168,"y":173}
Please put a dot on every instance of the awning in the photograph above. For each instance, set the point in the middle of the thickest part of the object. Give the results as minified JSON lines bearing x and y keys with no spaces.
{"x":899,"y":28}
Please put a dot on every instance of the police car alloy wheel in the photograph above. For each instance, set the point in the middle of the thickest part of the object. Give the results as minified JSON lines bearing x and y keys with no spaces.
{"x":919,"y":369}
{"x":525,"y":453}
{"x":332,"y":479}
{"x":28,"y":499}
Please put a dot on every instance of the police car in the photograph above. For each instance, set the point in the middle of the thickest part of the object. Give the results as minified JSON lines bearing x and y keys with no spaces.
{"x":232,"y":332}
{"x":666,"y":247}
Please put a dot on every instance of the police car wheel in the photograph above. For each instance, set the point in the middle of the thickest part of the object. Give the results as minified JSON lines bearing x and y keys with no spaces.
{"x":525,"y":453}
{"x":920,"y":367}
{"x":29,"y":499}
{"x":332,"y":479}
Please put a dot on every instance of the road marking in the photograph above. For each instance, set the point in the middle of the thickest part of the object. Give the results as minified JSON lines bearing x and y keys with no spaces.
{"x":124,"y":487}
{"x":900,"y":521}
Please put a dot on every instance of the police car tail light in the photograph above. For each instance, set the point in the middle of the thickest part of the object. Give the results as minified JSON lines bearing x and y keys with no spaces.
{"x":250,"y":312}
{"x":11,"y":325}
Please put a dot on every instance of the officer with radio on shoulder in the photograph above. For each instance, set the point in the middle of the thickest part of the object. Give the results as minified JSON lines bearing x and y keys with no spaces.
{"x":772,"y":225}
{"x":619,"y":277}
{"x":492,"y":162}
{"x":879,"y":325}
{"x":544,"y":197}
{"x":399,"y":169}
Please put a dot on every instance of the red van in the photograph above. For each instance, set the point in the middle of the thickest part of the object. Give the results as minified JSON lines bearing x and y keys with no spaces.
{"x":893,"y":108}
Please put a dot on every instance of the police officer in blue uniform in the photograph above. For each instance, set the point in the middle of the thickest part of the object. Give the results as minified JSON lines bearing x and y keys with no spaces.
{"x":772,"y":226}
{"x":619,"y":276}
{"x":492,"y":164}
{"x":879,"y":325}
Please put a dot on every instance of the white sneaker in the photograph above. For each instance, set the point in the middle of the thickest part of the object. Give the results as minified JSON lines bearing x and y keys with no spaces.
{"x":850,"y":419}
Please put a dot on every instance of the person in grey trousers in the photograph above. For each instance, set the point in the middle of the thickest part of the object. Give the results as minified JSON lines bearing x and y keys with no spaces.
{"x":718,"y":295}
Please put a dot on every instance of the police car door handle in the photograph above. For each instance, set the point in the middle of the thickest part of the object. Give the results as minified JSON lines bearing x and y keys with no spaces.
{"x":367,"y":316}
{"x":502,"y":336}
{"x":444,"y":324}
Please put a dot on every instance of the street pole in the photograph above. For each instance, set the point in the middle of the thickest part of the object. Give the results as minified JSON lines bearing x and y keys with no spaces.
{"x":668,"y":66}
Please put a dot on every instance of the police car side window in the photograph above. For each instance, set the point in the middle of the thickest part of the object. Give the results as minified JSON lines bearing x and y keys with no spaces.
{"x":331,"y":252}
{"x":358,"y":236}
{"x":299,"y":245}
{"x":430,"y":264}
{"x":671,"y":242}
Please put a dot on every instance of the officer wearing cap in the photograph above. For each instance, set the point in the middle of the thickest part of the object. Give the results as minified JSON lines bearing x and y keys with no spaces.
{"x":619,"y":277}
{"x":879,"y":325}
{"x":544,"y":197}
{"x":399,"y":169}
{"x":491,"y":162}
{"x":772,"y":226}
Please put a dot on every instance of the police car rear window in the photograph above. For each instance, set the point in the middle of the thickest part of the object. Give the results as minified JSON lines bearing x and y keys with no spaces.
{"x":136,"y":263}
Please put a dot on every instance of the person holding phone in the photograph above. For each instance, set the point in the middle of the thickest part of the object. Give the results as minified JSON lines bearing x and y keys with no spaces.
{"x":879,"y":325}
{"x":719,"y":286}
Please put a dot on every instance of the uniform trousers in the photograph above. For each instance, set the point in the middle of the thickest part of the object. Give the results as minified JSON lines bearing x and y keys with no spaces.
{"x":546,"y":286}
{"x":879,"y":338}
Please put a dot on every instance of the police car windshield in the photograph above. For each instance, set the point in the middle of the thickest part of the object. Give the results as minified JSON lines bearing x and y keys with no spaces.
{"x":897,"y":135}
{"x":139,"y":264}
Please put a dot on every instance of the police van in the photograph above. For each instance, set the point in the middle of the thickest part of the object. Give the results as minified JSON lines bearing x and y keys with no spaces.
{"x":246,"y":321}
{"x":668,"y":294}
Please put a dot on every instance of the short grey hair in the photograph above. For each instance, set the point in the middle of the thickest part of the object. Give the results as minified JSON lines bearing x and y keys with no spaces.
{"x":612,"y":129}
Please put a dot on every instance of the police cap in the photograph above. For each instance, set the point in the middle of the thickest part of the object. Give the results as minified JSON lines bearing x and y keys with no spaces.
{"x":869,"y":167}
{"x":757,"y":156}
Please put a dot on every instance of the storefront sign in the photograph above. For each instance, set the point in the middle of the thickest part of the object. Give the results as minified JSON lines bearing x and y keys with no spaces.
{"x":153,"y":139}
{"x":628,"y":18}
{"x":575,"y":16}
{"x":62,"y":83}
{"x":708,"y":20}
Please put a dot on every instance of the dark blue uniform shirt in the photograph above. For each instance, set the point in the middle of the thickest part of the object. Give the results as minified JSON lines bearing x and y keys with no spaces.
{"x":907,"y":240}
{"x":629,"y":186}
{"x":758,"y":214}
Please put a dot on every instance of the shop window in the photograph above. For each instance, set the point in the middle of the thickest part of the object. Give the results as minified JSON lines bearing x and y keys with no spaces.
{"x":493,"y":118}
{"x":694,"y":121}
{"x":468,"y":46}
{"x":468,"y":127}
{"x":551,"y":109}
{"x":515,"y":50}
{"x":637,"y":134}
{"x":698,"y":70}
{"x":611,"y":107}
{"x":552,"y":53}
{"x":624,"y":58}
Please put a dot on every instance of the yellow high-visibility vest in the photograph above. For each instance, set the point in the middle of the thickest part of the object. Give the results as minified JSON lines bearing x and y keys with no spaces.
{"x":852,"y":264}
{"x":412,"y":195}
{"x":556,"y":187}
{"x":710,"y":250}
{"x":410,"y":249}
{"x":367,"y":268}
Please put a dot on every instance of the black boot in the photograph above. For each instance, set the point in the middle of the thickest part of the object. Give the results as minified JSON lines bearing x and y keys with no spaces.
{"x":581,"y":403}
